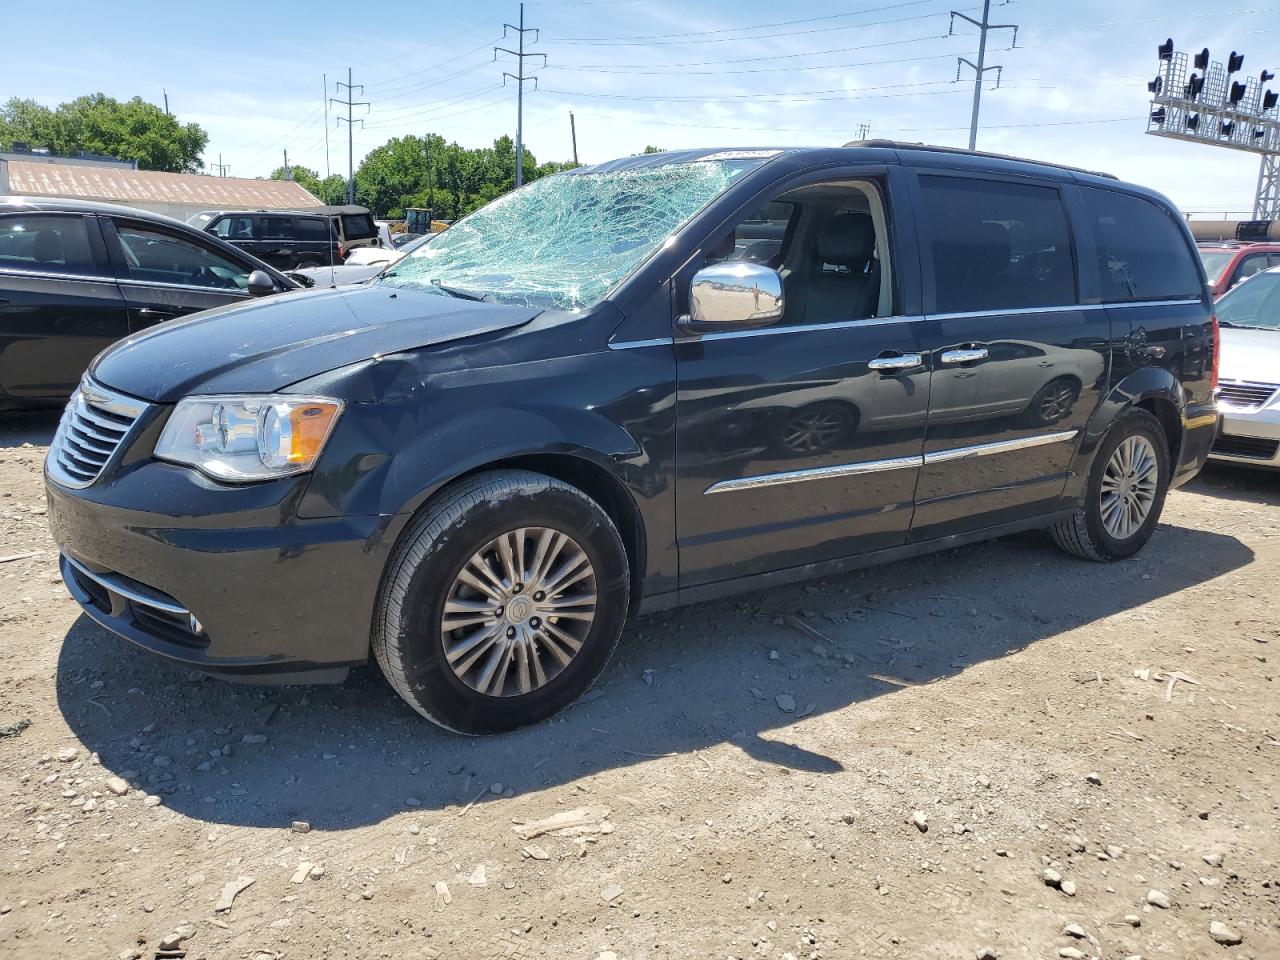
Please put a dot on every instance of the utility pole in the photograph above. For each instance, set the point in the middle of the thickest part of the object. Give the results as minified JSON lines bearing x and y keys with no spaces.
{"x":287,"y":174}
{"x":864,"y":131}
{"x":519,"y":77}
{"x":431,"y":178}
{"x":573,"y":132}
{"x":980,"y":68}
{"x":222,"y":168}
{"x":166,"y":100}
{"x":325,"y":77}
{"x":350,"y":121}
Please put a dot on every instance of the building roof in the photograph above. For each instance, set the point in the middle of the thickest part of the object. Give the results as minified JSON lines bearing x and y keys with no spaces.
{"x":140,"y":187}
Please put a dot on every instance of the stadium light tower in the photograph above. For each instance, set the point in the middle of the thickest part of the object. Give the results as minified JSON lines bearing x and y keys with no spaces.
{"x":1199,"y":99}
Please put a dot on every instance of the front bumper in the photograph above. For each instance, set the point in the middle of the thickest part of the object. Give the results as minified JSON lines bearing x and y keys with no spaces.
{"x":1248,"y":437}
{"x":276,"y":598}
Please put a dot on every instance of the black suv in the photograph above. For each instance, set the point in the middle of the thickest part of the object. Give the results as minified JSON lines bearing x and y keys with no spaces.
{"x":75,"y":277}
{"x":287,"y":241}
{"x":632,"y":386}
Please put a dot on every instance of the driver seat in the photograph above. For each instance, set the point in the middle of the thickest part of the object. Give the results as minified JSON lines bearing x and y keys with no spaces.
{"x":846,"y":241}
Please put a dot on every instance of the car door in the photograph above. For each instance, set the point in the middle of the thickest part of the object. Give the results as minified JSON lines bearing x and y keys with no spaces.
{"x":1020,"y":362}
{"x":800,"y":441}
{"x":59,"y":304}
{"x":277,"y":241}
{"x":166,"y":272}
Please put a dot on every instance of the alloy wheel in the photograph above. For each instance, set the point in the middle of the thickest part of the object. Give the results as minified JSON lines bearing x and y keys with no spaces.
{"x":1129,"y":486}
{"x":519,"y":611}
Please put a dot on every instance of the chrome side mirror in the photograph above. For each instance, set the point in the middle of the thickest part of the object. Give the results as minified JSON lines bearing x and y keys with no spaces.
{"x":735,"y":292}
{"x":260,"y":284}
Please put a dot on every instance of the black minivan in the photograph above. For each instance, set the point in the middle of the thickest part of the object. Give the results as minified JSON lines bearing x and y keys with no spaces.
{"x":632,"y":386}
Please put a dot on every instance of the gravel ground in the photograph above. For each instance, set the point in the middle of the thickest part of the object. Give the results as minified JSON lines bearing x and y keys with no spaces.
{"x":994,"y":749}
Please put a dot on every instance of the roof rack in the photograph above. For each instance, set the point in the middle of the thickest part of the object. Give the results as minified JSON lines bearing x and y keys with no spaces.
{"x":930,"y":148}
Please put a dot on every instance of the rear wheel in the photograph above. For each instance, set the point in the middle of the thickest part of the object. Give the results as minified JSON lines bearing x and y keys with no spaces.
{"x":503,"y":602}
{"x":1125,"y":495}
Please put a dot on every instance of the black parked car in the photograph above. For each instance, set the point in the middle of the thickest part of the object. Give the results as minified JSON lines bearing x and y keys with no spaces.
{"x":593,"y":398}
{"x":75,"y":277}
{"x":287,"y":241}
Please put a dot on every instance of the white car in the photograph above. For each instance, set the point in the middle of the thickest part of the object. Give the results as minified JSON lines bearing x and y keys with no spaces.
{"x":1249,"y":373}
{"x":364,"y":264}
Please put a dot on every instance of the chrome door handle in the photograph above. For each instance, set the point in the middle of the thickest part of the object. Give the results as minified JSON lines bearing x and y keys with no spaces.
{"x":965,"y":356}
{"x":906,"y":361}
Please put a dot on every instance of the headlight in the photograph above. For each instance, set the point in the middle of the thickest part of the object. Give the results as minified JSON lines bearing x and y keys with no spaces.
{"x":240,"y":438}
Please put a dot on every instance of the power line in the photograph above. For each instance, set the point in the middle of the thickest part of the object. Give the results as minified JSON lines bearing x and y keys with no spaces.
{"x":519,"y":77}
{"x":350,"y":121}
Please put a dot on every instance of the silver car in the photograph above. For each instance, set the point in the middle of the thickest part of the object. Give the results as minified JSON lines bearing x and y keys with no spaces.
{"x":1249,"y":381}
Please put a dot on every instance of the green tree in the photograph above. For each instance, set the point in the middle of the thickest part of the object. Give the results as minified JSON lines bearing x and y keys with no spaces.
{"x":129,"y":130}
{"x":652,"y":149}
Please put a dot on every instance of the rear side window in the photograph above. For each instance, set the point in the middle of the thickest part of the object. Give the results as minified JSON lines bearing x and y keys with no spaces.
{"x":997,"y":245}
{"x":236,"y":228}
{"x":313,"y":228}
{"x":45,"y":244}
{"x":275,"y":228}
{"x":358,"y":226}
{"x":1142,"y":253}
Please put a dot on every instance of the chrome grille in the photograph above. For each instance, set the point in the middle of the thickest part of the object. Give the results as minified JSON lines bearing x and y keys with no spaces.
{"x":93,"y":426}
{"x":1246,"y":396}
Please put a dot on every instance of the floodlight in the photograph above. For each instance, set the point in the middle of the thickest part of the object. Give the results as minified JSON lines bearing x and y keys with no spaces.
{"x":1156,"y":85}
{"x":1228,"y":127}
{"x":1266,"y":76}
{"x":1235,"y":62}
{"x":1269,"y":100}
{"x":1158,"y":116}
{"x":1195,"y":86}
{"x":1202,"y":59}
{"x":1193,"y":121}
{"x":1166,"y":49}
{"x":1238,"y":91}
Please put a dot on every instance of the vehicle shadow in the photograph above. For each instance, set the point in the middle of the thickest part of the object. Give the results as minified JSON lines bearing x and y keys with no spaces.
{"x":1229,"y":482}
{"x":705,"y":676}
{"x":35,"y":427}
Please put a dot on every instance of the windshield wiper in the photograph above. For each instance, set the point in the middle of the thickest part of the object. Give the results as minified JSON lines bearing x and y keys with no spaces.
{"x":459,"y":292}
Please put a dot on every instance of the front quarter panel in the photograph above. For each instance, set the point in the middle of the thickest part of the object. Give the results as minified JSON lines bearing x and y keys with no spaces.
{"x":427,"y":421}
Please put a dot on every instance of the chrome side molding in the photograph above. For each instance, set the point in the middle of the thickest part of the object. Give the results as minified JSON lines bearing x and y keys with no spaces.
{"x":883,"y":466}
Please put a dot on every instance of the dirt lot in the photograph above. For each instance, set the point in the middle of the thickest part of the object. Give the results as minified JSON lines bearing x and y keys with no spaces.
{"x":746,"y":773}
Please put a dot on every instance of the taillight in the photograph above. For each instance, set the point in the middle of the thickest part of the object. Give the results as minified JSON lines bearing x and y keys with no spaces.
{"x":1217,"y":349}
{"x":342,"y":255}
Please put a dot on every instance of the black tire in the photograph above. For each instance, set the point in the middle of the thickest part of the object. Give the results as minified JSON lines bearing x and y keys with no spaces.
{"x":408,"y":640}
{"x":1084,"y":535}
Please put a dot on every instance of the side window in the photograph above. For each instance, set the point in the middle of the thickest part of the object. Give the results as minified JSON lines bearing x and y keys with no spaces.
{"x":233,"y":228}
{"x":828,"y":243}
{"x":275,"y":228}
{"x":998,"y":245}
{"x":46,"y":244}
{"x":154,"y":256}
{"x":358,"y":226}
{"x":1254,"y":263}
{"x":1142,"y":254}
{"x":313,"y":229}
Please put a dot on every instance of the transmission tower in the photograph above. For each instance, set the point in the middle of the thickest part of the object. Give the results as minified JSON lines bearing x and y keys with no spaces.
{"x":980,"y":68}
{"x":350,"y":121}
{"x":519,"y":77}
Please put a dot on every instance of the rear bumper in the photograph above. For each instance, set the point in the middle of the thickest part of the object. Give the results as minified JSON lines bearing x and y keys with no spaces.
{"x":1200,"y":425}
{"x":216,"y":579}
{"x":1250,"y":438}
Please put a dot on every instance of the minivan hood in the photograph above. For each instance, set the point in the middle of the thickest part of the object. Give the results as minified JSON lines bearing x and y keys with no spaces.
{"x":267,"y":344}
{"x":1252,"y":355}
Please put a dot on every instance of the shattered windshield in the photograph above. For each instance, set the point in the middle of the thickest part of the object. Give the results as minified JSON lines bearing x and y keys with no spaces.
{"x":565,"y":241}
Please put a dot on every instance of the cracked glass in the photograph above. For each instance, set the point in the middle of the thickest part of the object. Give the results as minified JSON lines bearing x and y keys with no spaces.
{"x":563,"y":242}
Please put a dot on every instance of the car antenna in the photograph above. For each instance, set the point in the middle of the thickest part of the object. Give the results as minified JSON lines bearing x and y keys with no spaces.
{"x":333,"y":278}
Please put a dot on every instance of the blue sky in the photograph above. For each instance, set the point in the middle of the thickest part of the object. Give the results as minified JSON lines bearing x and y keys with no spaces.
{"x":637,"y":72}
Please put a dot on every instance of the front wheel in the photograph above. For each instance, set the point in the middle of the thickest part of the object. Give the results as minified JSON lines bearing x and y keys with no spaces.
{"x":1125,"y":495}
{"x":502,"y":603}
